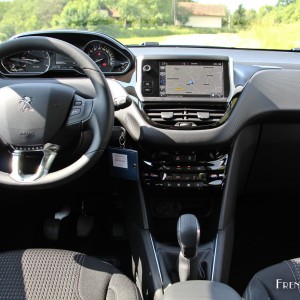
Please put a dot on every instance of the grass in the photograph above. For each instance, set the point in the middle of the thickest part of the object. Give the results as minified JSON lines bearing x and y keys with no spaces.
{"x":274,"y":36}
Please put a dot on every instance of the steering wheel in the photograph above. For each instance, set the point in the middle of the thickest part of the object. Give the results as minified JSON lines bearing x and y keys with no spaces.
{"x":36,"y":116}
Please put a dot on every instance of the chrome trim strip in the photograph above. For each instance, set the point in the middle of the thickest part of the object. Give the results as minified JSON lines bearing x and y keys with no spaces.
{"x":214,"y":261}
{"x":157,"y":263}
{"x":49,"y":154}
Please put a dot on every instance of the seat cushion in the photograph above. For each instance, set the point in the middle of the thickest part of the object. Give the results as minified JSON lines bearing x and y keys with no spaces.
{"x":277,"y":282}
{"x":38,"y":274}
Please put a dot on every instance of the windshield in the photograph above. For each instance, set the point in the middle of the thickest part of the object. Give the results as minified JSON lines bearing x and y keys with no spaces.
{"x":261,"y":24}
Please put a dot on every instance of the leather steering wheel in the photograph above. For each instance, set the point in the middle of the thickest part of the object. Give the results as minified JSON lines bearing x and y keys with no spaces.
{"x":35,"y":116}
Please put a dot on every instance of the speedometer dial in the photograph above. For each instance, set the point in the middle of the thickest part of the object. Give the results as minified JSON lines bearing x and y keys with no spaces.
{"x":31,"y":61}
{"x":101,"y":54}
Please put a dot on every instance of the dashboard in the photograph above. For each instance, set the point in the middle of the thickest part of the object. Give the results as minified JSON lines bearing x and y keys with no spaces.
{"x":175,"y":88}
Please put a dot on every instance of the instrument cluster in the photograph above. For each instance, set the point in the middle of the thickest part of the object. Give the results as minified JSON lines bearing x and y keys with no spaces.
{"x":110,"y":60}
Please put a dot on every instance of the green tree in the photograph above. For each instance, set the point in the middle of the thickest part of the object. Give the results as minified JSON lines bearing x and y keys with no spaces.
{"x":285,"y":2}
{"x":143,"y":12}
{"x":4,"y":7}
{"x":78,"y":14}
{"x":226,"y":20}
{"x":182,"y":14}
{"x":239,"y":18}
{"x":47,"y":9}
{"x":250,"y":16}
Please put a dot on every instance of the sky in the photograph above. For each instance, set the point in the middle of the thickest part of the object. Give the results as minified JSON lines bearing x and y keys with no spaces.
{"x":232,"y":5}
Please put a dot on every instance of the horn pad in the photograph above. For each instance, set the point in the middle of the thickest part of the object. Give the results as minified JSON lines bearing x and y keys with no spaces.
{"x":32,"y":113}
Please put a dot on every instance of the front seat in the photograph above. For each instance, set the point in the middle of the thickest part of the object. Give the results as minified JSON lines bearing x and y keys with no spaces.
{"x":44,"y":274}
{"x":277,"y":282}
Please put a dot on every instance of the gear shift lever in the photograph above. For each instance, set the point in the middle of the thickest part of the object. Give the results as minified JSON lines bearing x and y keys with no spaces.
{"x":188,"y":235}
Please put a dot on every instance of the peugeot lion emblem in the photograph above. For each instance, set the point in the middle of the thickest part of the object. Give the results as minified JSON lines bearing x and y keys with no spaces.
{"x":25,"y":104}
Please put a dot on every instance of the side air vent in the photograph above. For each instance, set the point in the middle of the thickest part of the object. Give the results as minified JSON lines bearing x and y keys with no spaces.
{"x":185,"y":115}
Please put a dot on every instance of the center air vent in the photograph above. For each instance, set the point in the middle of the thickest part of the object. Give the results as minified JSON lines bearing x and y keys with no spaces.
{"x":185,"y":115}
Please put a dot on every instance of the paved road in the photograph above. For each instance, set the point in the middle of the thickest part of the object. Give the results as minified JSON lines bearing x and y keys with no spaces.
{"x":221,"y":40}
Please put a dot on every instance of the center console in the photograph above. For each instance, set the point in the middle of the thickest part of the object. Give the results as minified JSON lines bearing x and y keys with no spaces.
{"x":180,"y":100}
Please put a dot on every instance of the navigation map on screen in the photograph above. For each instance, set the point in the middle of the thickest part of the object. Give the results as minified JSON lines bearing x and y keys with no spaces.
{"x":204,"y":79}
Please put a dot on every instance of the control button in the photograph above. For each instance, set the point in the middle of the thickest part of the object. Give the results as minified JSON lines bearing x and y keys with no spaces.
{"x":202,"y":176}
{"x":198,"y":184}
{"x":177,"y":158}
{"x":166,"y":168}
{"x":197,"y":168}
{"x":213,"y":176}
{"x":147,"y":90}
{"x":158,"y":184}
{"x":187,"y":184}
{"x":215,"y":182}
{"x":148,"y":182}
{"x":188,"y":158}
{"x":169,"y":184}
{"x":154,"y":175}
{"x":75,"y":111}
{"x":184,"y":158}
{"x":177,"y":177}
{"x":185,"y":124}
{"x":187,"y":177}
{"x":178,"y":184}
{"x":148,"y":83}
{"x":78,"y":103}
{"x":146,"y":68}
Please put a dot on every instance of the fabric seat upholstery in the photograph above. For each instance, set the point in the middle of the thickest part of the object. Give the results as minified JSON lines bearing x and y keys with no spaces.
{"x":38,"y":274}
{"x":277,"y":282}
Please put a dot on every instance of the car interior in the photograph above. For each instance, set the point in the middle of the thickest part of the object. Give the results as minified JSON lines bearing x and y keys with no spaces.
{"x":165,"y":172}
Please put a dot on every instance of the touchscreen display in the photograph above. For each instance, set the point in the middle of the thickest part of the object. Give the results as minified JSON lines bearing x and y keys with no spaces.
{"x":191,"y":79}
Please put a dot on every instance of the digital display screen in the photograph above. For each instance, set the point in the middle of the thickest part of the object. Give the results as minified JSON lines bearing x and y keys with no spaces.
{"x":62,"y":60}
{"x":191,"y":79}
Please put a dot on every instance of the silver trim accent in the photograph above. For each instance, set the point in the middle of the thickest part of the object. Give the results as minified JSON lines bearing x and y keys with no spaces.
{"x":157,"y":263}
{"x":267,"y":67}
{"x":110,"y":47}
{"x":214,"y":261}
{"x":25,"y":103}
{"x":49,"y":154}
{"x":47,"y":55}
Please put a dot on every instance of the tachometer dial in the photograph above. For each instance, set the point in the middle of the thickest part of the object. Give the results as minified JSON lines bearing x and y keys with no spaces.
{"x":101,"y":54}
{"x":31,"y":61}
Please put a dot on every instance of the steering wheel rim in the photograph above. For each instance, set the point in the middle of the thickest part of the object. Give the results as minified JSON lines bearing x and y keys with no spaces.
{"x":100,"y":120}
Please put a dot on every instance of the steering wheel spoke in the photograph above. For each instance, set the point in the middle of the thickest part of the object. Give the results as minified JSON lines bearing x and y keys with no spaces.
{"x":49,"y":152}
{"x":80,"y":110}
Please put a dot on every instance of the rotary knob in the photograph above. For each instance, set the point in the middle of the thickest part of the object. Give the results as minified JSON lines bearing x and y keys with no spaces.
{"x":146,"y":68}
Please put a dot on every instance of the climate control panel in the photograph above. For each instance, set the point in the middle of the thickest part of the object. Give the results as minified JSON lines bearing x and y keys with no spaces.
{"x":189,"y":171}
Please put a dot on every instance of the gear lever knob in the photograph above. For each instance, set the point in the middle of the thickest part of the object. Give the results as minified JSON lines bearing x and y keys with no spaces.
{"x":188,"y":235}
